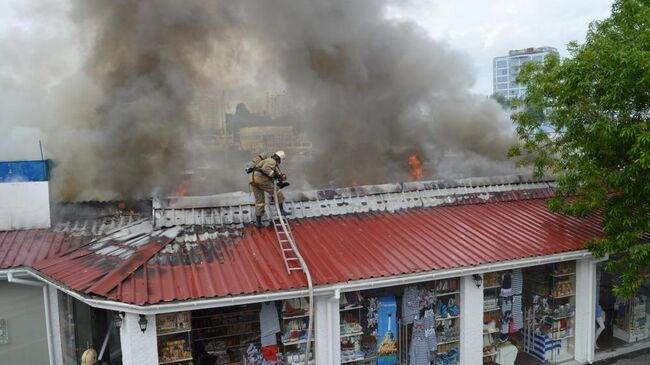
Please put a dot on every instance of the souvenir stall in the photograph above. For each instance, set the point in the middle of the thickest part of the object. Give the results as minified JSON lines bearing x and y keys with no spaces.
{"x":174,"y":331}
{"x":208,"y":336}
{"x":550,"y":310}
{"x":416,"y":324}
{"x":619,"y":321}
{"x":294,"y":321}
{"x":631,"y":319}
{"x":502,"y":315}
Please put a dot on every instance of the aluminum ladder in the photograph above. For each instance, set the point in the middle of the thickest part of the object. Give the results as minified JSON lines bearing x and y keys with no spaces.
{"x":292,"y":259}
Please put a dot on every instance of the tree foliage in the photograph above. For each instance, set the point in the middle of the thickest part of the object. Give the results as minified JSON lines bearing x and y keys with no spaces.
{"x":586,"y":119}
{"x":502,"y":100}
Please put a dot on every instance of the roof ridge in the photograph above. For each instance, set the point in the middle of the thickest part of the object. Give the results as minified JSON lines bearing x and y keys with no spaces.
{"x":238,"y":208}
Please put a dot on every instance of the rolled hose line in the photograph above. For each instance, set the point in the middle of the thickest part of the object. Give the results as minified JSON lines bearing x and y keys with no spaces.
{"x":305,"y":269}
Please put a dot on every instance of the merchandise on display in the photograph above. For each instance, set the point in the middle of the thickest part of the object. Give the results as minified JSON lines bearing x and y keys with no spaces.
{"x":295,"y":317}
{"x":269,"y":324}
{"x":549,"y":322}
{"x":174,"y":332}
{"x":386,"y":339}
{"x":430,"y":317}
{"x":630,"y":319}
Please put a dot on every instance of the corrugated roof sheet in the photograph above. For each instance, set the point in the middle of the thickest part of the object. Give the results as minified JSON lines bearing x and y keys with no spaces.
{"x":207,"y":262}
{"x":24,"y":247}
{"x":142,"y":265}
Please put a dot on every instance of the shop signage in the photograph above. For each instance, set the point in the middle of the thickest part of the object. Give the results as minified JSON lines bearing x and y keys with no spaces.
{"x":387,"y":327}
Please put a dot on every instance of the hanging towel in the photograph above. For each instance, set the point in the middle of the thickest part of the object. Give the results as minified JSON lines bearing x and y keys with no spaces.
{"x":429,"y":323}
{"x":419,"y":353}
{"x":517,"y":280}
{"x":517,"y":314}
{"x":269,"y":324}
{"x":410,"y":304}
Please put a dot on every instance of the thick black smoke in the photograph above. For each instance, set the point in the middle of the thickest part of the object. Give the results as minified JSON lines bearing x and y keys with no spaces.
{"x":370,"y":91}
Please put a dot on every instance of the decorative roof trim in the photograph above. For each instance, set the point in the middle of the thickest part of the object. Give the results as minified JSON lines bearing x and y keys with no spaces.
{"x":238,"y":208}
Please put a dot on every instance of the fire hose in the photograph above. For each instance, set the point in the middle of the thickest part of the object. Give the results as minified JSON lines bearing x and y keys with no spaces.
{"x":305,"y":269}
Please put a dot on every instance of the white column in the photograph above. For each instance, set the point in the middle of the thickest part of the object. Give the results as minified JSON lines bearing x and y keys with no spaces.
{"x":585,"y":317}
{"x":138,"y":348}
{"x":471,"y":321}
{"x":327,"y":330}
{"x":54,"y":323}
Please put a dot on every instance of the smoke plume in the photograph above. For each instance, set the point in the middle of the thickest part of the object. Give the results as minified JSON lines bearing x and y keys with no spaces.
{"x":369,"y":92}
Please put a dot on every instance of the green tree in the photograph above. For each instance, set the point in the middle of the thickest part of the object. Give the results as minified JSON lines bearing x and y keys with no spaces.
{"x":502,"y":100}
{"x":594,"y":134}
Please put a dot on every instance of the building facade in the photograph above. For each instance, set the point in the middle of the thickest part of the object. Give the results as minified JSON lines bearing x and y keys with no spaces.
{"x":506,"y":69}
{"x":472,"y":271}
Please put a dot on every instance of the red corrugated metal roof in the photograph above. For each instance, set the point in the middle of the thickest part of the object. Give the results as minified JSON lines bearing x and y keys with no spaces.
{"x":362,"y":246}
{"x":25,"y":247}
{"x":207,"y":262}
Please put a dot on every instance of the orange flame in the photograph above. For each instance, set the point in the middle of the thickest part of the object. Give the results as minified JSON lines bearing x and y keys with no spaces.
{"x":122,"y":206}
{"x":182,"y":188}
{"x":415,"y":167}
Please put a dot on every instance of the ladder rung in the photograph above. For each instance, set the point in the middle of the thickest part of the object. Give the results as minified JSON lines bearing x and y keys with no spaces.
{"x":295,"y":268}
{"x":287,"y":249}
{"x":292,"y":258}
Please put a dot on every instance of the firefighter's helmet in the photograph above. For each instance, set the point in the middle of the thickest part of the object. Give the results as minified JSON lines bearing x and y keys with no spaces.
{"x":281,"y":155}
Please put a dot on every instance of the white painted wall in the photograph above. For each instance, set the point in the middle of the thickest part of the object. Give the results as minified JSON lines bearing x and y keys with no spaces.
{"x":585,"y":317}
{"x":138,"y":348}
{"x":327,"y":330}
{"x":24,"y":205}
{"x":23,"y":308}
{"x":471,"y":322}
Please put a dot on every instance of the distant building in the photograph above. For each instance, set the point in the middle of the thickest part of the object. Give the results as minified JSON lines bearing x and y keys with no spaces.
{"x":506,"y":69}
{"x":277,"y":105}
{"x":259,"y":139}
{"x":207,"y":112}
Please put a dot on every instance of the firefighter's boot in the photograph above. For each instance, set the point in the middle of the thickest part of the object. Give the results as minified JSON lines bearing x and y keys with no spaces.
{"x":258,"y":221}
{"x":282,"y":211}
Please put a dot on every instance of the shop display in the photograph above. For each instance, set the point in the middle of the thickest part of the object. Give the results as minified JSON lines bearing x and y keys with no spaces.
{"x":174,"y":338}
{"x":223,"y":336}
{"x":550,"y":323}
{"x":176,"y":350}
{"x":491,"y":315}
{"x":630,"y":319}
{"x":173,"y":322}
{"x":351,"y":331}
{"x":429,"y":323}
{"x":506,"y":353}
{"x":269,"y":324}
{"x":386,"y":340}
{"x":295,"y":317}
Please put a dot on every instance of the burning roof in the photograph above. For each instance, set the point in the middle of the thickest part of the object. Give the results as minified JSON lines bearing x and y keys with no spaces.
{"x":345,"y":235}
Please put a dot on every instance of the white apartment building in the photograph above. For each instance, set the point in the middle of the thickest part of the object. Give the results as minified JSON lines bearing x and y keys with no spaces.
{"x":506,"y":69}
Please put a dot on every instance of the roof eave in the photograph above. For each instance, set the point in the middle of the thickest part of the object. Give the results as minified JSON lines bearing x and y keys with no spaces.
{"x":322,"y":290}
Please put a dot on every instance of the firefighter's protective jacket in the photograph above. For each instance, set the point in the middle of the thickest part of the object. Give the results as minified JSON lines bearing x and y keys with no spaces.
{"x":265,"y":171}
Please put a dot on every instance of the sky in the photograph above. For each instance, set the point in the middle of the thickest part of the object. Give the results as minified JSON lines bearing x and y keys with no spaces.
{"x":46,"y":91}
{"x":481,"y":30}
{"x":487,"y":29}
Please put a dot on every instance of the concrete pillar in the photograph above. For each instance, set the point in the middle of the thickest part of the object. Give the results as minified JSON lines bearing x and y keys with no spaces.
{"x":585,"y":317}
{"x":471,"y":321}
{"x":138,"y":347}
{"x":327,"y":330}
{"x":54,"y":323}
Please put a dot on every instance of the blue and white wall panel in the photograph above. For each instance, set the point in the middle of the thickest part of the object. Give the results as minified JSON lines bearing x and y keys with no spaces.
{"x":24,"y":195}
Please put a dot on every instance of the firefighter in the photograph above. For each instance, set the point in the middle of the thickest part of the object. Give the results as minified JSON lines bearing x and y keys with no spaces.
{"x":261,"y":181}
{"x":89,"y":357}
